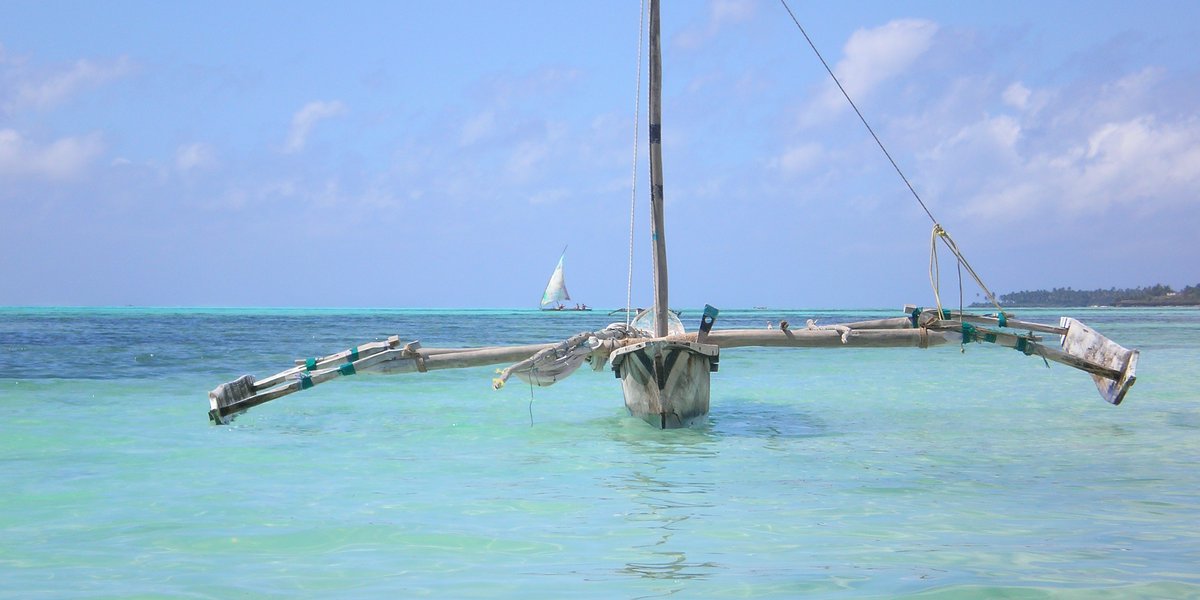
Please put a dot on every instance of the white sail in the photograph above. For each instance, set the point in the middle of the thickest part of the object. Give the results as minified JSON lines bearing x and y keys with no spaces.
{"x":556,"y":289}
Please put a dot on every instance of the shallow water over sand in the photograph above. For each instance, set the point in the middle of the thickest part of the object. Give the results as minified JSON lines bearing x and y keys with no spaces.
{"x":846,"y":473}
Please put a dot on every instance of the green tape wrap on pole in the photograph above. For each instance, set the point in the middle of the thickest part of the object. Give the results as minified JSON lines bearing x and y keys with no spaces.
{"x":347,"y":369}
{"x":353,"y":354}
{"x":915,"y":317}
{"x":1003,"y":319}
{"x":969,"y":333}
{"x":310,"y":364}
{"x":305,"y":381}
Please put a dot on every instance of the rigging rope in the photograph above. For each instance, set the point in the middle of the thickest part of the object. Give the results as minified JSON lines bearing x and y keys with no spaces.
{"x":637,"y":106}
{"x":935,"y":274}
{"x":962,"y":345}
{"x":531,"y":403}
{"x":938,"y":231}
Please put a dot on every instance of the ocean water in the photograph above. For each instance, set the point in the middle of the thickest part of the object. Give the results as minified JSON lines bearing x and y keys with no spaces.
{"x":820,"y":473}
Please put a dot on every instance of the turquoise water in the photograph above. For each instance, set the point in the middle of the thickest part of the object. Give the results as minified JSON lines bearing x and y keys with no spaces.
{"x":821,"y":473}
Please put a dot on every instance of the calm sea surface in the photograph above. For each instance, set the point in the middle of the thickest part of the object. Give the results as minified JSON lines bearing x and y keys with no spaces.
{"x":820,"y":473}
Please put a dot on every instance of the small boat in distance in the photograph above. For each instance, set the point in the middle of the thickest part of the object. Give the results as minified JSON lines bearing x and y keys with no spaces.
{"x":556,"y":290}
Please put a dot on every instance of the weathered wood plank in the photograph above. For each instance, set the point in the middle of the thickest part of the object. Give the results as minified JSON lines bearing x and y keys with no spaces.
{"x":1031,"y":347}
{"x":1090,"y":346}
{"x":666,"y":382}
{"x":326,"y":362}
{"x":392,"y":360}
{"x":1010,"y":323}
{"x":823,"y":338}
{"x":892,"y":323}
{"x":658,"y":234}
{"x":930,"y":315}
{"x":459,"y":358}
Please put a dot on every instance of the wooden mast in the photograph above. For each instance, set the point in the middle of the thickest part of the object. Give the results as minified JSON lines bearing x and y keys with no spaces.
{"x":657,"y":233}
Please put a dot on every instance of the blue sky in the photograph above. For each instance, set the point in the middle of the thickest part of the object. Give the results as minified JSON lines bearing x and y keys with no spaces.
{"x":441,"y":154}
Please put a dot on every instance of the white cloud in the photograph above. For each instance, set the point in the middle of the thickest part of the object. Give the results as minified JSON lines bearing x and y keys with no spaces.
{"x":552,"y":196}
{"x":875,"y":55}
{"x":195,"y":156}
{"x":1139,"y":163}
{"x":1017,"y":96}
{"x":731,"y":10}
{"x":477,"y":128}
{"x":527,"y":159}
{"x":300,"y":194}
{"x":60,"y":160}
{"x":798,"y":159}
{"x":871,"y":57}
{"x":1074,"y":148}
{"x":306,"y":118}
{"x":506,"y":90}
{"x":721,"y":13}
{"x":1135,"y":161}
{"x":237,"y":198}
{"x":43,"y":91}
{"x":993,"y":136}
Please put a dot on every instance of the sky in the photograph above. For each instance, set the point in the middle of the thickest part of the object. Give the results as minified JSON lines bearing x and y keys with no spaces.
{"x":442,"y":154}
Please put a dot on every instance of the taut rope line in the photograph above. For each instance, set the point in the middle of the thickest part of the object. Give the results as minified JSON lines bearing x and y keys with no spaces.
{"x":637,"y":106}
{"x":938,"y":231}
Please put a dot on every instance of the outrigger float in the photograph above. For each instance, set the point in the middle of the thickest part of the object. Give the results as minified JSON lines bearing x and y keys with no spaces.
{"x":665,"y":371}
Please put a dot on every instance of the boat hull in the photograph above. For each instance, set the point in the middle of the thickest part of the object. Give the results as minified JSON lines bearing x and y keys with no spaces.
{"x":666,"y":383}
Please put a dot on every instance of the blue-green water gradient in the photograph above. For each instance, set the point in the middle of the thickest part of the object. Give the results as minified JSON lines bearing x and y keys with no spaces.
{"x":820,"y":473}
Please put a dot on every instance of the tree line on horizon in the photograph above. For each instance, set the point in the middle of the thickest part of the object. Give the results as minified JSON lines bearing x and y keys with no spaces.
{"x":1155,"y":295}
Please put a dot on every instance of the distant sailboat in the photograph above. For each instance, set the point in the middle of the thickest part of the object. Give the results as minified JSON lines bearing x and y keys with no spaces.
{"x":556,"y":289}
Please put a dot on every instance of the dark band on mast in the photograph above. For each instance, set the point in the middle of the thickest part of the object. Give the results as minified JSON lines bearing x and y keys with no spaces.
{"x":656,"y":133}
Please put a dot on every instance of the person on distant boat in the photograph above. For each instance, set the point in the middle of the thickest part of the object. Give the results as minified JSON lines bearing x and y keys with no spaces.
{"x":770,"y":325}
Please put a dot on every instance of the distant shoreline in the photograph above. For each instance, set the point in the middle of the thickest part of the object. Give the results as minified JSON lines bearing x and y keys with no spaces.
{"x":1120,"y":305}
{"x":1152,"y":296}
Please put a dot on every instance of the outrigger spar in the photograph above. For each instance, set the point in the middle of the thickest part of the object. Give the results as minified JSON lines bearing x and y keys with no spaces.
{"x":664,"y":370}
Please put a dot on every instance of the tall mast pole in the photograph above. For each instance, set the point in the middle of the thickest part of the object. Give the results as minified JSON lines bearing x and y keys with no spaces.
{"x":657,"y":234}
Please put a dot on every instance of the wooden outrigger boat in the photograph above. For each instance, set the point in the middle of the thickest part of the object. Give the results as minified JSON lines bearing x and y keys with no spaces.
{"x":665,"y":371}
